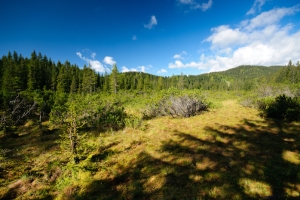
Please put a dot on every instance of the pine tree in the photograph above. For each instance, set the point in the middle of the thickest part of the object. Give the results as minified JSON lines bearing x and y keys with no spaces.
{"x":106,"y":82}
{"x":114,"y":79}
{"x":140,"y":82}
{"x":8,"y":75}
{"x":62,"y":84}
{"x":147,"y":84}
{"x":89,"y":80}
{"x":32,"y":82}
{"x":160,"y":83}
{"x":181,"y":82}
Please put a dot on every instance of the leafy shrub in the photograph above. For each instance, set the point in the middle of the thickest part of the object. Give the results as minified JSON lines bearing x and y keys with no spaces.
{"x":282,"y":107}
{"x":113,"y":115}
{"x":264,"y":103}
{"x":135,"y":123}
{"x":176,"y":106}
{"x":92,"y":110}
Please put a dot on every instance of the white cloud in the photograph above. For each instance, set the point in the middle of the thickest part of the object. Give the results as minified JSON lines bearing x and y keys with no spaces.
{"x":142,"y":68}
{"x":261,"y":40}
{"x":224,"y":36}
{"x":151,"y":23}
{"x":186,"y":1}
{"x":206,"y":6}
{"x":256,"y":7}
{"x":79,"y":54}
{"x":162,"y":71}
{"x":93,"y":55}
{"x":134,"y":37}
{"x":139,"y":68}
{"x":97,"y":66}
{"x":193,"y":4}
{"x":94,"y":64}
{"x":109,"y":60}
{"x":270,"y":17}
{"x":125,"y":69}
{"x":177,"y":56}
{"x":179,"y":64}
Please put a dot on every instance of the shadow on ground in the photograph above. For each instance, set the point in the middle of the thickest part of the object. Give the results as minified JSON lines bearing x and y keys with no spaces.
{"x":252,"y":160}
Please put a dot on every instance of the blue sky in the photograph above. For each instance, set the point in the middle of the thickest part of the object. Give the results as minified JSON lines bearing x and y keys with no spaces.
{"x":160,"y":37}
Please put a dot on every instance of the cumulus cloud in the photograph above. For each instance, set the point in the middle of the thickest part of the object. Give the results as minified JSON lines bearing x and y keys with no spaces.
{"x":151,"y":23}
{"x":223,"y":36}
{"x":142,"y":68}
{"x":177,"y":56}
{"x":109,"y":60}
{"x":162,"y":71}
{"x":138,"y":69}
{"x":94,"y":64}
{"x":262,"y":40}
{"x":256,"y":7}
{"x":193,"y":4}
{"x":179,"y":64}
{"x":180,"y":55}
{"x":125,"y":69}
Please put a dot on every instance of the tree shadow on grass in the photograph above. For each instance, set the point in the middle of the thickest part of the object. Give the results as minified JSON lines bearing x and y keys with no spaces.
{"x":266,"y":157}
{"x":252,"y":160}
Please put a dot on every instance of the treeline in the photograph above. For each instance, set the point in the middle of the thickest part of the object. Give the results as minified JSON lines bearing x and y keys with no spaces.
{"x":40,"y":73}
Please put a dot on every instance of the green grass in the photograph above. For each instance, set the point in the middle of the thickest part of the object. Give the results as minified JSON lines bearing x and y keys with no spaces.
{"x":229,"y":152}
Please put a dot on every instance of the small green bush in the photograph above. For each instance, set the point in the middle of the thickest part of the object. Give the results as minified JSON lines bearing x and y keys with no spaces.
{"x":135,"y":123}
{"x":282,"y":107}
{"x":264,"y":103}
{"x":113,"y":115}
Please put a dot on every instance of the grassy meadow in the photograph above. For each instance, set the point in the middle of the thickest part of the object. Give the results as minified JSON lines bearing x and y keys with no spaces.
{"x":228,"y":152}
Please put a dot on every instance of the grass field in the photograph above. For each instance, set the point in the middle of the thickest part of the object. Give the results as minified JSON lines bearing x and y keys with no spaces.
{"x":229,"y":152}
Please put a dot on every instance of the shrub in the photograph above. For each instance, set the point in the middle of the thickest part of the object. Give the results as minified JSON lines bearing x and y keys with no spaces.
{"x":176,"y":106}
{"x":135,"y":122}
{"x":282,"y":107}
{"x":264,"y":103}
{"x":248,"y":102}
{"x":113,"y":115}
{"x":91,"y":110}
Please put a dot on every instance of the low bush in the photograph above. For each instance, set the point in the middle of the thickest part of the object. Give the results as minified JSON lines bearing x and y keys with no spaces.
{"x":135,"y":123}
{"x":112,"y":115}
{"x":176,"y":106}
{"x":282,"y":107}
{"x":248,"y":102}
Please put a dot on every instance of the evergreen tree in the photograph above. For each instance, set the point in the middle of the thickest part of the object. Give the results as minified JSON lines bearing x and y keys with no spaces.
{"x":8,"y":75}
{"x":106,"y":82}
{"x":147,"y":84}
{"x":160,"y":83}
{"x":89,"y":80}
{"x":61,"y":78}
{"x":140,"y":82}
{"x":32,"y":83}
{"x":181,"y":82}
{"x":114,"y":79}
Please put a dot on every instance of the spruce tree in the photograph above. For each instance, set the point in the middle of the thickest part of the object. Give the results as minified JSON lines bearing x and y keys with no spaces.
{"x":114,"y":79}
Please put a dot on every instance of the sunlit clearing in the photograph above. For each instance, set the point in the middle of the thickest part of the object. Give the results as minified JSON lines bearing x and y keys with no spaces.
{"x":255,"y":188}
{"x":291,"y":157}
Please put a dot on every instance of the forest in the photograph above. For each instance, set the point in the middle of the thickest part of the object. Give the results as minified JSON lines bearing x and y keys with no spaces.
{"x":68,"y":132}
